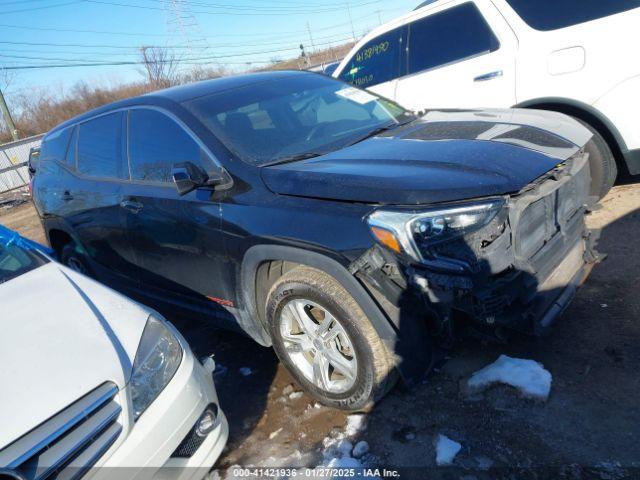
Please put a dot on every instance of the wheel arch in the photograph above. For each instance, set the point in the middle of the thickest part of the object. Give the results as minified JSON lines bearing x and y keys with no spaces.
{"x":58,"y":238}
{"x":252,"y":318}
{"x":588,"y":114}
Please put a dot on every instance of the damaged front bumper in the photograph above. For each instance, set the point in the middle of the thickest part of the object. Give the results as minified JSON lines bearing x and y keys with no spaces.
{"x":520,"y":271}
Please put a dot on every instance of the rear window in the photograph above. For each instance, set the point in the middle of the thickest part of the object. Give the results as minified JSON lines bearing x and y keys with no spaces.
{"x":54,"y":146}
{"x":554,"y":14}
{"x":14,"y":261}
{"x":449,"y":36}
{"x":100,"y":148}
{"x":378,"y":61}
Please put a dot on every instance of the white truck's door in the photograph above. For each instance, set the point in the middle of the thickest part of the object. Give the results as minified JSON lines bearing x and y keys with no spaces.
{"x":458,"y":55}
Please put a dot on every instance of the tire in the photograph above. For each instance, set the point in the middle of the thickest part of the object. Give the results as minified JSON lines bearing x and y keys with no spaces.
{"x":602,"y":164}
{"x":372,"y":372}
{"x":72,"y":258}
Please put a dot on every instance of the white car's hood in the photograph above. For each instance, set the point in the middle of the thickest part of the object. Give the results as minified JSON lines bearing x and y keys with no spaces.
{"x":63,"y":334}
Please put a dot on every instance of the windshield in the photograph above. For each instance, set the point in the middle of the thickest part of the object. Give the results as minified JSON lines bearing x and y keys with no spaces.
{"x":15,"y":260}
{"x":300,"y":116}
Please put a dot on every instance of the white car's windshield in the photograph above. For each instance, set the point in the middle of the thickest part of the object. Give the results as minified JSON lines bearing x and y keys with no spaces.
{"x":15,"y":260}
{"x":306,"y":115}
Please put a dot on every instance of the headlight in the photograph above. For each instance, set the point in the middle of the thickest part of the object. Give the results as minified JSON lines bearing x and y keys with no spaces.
{"x":411,"y":231}
{"x":157,"y":359}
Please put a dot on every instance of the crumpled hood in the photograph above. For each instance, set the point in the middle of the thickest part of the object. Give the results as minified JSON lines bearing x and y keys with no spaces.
{"x":62,"y":335}
{"x":443,"y":156}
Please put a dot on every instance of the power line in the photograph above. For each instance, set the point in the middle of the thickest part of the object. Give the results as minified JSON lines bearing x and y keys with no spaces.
{"x":266,"y":37}
{"x":212,"y":57}
{"x":203,"y":12}
{"x":42,"y":7}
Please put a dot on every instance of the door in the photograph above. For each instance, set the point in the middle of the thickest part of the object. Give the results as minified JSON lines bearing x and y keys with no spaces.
{"x":377,"y":65}
{"x":176,"y":239}
{"x":92,"y":199}
{"x":459,"y":57}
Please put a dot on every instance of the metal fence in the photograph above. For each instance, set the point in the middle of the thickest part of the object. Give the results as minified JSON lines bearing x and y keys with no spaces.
{"x":13,"y":162}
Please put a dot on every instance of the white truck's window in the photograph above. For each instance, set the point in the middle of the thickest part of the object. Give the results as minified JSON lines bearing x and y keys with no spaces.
{"x":378,"y":61}
{"x":449,"y":36}
{"x":555,"y":14}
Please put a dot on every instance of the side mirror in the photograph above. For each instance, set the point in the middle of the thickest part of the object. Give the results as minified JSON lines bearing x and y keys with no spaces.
{"x":187,"y":176}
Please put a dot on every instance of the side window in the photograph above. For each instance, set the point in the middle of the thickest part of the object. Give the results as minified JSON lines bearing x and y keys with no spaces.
{"x":449,"y":36}
{"x":100,"y":148}
{"x":156,"y":142}
{"x":54,"y":146}
{"x":378,"y":61}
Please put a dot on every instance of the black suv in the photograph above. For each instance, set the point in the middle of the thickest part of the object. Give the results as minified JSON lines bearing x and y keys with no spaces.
{"x":322,"y":220}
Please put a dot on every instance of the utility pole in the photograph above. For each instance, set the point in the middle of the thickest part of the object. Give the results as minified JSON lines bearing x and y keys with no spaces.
{"x":7,"y":117}
{"x":313,"y":47}
{"x":353,"y":32}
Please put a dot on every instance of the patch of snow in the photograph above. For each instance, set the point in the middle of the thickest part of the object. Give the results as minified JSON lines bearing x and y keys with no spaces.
{"x":245,"y":371}
{"x":345,"y":447}
{"x":273,"y":435}
{"x":360,"y":449}
{"x":344,"y":462}
{"x":446,"y":450}
{"x":356,"y":423}
{"x":317,"y":405}
{"x":288,"y":389}
{"x":295,"y":395}
{"x":528,"y":376}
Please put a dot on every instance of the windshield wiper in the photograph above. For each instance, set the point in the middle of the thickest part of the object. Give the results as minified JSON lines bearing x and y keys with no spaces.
{"x":292,"y":158}
{"x":379,"y":130}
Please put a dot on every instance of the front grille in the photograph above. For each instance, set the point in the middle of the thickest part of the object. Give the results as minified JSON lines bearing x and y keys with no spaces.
{"x":550,"y":215}
{"x":70,"y":442}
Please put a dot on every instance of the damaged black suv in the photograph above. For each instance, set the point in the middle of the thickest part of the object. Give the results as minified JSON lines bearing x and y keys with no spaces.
{"x":320,"y":219}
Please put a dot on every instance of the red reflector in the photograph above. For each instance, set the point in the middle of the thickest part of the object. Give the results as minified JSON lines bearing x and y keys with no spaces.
{"x":221,"y":301}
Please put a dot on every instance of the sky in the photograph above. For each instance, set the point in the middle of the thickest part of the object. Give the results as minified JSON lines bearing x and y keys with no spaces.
{"x":238,"y":34}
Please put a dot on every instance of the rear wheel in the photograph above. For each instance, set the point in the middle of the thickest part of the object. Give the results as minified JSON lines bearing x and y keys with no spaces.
{"x":324,"y":339}
{"x":602,"y":164}
{"x":72,"y":258}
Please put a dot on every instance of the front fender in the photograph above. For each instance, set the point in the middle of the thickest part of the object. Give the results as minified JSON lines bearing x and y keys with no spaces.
{"x":249,"y":316}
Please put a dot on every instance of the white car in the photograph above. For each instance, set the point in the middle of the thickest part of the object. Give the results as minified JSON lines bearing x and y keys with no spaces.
{"x":92,"y":380}
{"x":577,"y":57}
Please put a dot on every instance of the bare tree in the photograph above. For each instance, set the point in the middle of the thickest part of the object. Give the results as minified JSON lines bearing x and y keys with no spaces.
{"x":7,"y":77}
{"x":160,"y":66}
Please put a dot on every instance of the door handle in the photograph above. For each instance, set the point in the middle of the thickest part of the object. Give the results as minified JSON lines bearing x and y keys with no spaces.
{"x":131,"y":205}
{"x":66,"y":196}
{"x":488,"y":76}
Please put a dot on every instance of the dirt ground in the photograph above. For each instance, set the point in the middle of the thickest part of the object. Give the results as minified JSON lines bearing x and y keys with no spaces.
{"x":588,"y":428}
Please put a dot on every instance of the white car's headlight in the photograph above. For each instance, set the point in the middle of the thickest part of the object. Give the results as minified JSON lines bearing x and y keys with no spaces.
{"x":412,"y":232}
{"x":157,"y":359}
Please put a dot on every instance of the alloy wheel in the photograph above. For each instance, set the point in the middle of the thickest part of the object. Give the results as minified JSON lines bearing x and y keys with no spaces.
{"x":318,"y":345}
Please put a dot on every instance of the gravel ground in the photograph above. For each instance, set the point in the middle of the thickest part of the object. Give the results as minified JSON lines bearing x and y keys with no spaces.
{"x":588,"y":428}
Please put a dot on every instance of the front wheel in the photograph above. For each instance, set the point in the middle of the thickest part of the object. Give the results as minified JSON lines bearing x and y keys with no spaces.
{"x":602,"y":164}
{"x":324,"y":339}
{"x":72,"y":258}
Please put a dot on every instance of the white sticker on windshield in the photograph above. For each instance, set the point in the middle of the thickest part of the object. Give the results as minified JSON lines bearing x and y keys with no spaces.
{"x":358,"y":96}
